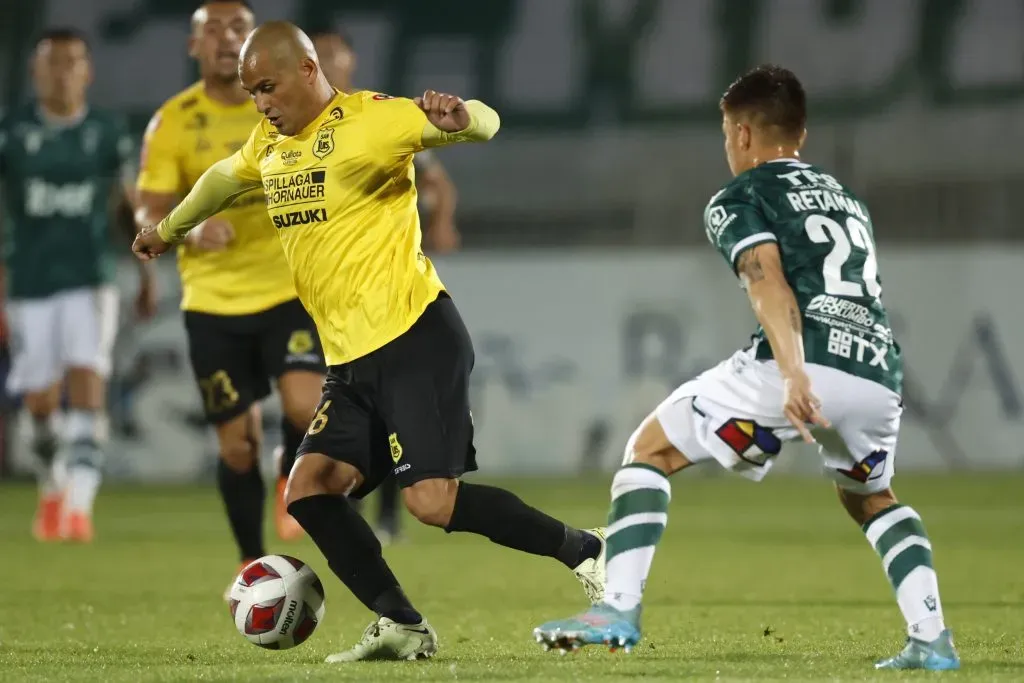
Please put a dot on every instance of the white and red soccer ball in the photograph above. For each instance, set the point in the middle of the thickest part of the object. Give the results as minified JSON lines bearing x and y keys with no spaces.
{"x":277,"y":602}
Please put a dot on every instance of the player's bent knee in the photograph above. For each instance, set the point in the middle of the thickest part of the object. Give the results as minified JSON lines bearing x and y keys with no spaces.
{"x":316,"y":474}
{"x":431,"y":501}
{"x":649,"y":445}
{"x":238,"y":453}
{"x":863,"y":506}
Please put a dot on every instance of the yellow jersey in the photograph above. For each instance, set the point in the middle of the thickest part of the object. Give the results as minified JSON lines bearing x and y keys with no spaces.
{"x":187,"y":135}
{"x":342,"y":196}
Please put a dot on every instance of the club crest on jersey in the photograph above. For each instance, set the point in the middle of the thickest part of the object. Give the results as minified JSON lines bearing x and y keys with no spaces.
{"x":869,"y":468}
{"x":749,"y":440}
{"x":324,"y":143}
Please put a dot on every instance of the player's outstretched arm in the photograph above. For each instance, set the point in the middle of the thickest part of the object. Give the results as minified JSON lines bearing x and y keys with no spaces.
{"x":450,"y":119}
{"x":776,"y":308}
{"x":212,"y":193}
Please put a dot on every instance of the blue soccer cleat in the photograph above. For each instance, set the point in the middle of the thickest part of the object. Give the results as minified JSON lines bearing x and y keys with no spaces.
{"x":938,"y":655}
{"x":602,"y":624}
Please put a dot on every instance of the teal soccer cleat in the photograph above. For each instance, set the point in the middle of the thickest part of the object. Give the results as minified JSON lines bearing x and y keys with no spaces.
{"x":600,"y":625}
{"x":938,"y":655}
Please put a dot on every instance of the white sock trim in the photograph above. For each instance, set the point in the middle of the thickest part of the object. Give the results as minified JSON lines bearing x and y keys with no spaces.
{"x":638,"y":518}
{"x":635,"y":478}
{"x":900,"y":547}
{"x":886,"y":522}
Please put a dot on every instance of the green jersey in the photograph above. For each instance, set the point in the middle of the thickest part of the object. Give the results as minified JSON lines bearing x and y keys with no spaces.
{"x":56,"y":183}
{"x":826,"y":239}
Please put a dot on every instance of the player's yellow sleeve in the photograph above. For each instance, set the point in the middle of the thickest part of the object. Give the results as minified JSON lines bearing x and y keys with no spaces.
{"x":159,"y":170}
{"x":213,"y":192}
{"x":483,"y":124}
{"x":402,"y":124}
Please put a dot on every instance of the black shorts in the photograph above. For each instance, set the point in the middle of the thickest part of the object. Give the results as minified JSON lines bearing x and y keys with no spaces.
{"x":403,"y":408}
{"x":234,"y":357}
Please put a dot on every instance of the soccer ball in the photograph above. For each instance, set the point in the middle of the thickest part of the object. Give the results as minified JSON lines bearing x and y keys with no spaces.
{"x":277,"y":602}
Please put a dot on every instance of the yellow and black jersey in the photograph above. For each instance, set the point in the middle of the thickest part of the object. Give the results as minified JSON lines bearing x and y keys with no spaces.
{"x":187,"y":135}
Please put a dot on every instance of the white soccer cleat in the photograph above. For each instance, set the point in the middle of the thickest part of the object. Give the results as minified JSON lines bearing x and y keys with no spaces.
{"x":386,"y":639}
{"x":591,"y":573}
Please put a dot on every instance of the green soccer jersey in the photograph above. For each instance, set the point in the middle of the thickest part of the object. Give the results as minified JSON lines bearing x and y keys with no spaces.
{"x":56,"y":183}
{"x":826,"y":239}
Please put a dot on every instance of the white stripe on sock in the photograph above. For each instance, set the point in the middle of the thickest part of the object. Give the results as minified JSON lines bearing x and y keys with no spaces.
{"x":635,"y":478}
{"x":638,"y":518}
{"x":901,"y":546}
{"x":886,"y":522}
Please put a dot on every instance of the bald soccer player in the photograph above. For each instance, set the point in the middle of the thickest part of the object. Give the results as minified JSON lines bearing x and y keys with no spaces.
{"x":246,"y":328}
{"x":336,"y":170}
{"x":437,"y":196}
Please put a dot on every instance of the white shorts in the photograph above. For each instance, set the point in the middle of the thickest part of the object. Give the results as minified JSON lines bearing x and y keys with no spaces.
{"x":733,"y":414}
{"x":72,"y":329}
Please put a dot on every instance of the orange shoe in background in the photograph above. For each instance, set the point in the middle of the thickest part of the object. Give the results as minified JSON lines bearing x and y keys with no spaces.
{"x":288,"y":528}
{"x":46,"y":525}
{"x":78,"y":528}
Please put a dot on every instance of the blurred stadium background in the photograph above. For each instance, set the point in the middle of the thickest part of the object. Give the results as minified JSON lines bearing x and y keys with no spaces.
{"x":594,"y":191}
{"x":609,"y":151}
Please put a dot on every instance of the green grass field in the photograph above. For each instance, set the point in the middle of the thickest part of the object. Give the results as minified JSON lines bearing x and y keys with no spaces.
{"x":752,"y":582}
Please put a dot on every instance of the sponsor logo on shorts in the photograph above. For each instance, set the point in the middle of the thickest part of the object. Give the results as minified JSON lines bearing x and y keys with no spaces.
{"x":402,"y":468}
{"x":869,"y":468}
{"x":749,"y":440}
{"x":396,"y":448}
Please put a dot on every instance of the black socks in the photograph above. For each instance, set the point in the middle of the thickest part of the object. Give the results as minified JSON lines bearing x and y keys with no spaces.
{"x":290,"y":441}
{"x":354,"y":554}
{"x":243,"y":494}
{"x":506,"y":520}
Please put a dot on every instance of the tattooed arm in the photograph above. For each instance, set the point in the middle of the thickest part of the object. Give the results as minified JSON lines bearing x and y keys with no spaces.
{"x":760,"y":271}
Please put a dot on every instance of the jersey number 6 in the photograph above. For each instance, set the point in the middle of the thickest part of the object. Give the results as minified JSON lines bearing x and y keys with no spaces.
{"x":319,"y":420}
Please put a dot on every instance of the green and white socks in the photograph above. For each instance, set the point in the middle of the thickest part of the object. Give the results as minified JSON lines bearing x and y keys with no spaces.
{"x":899,"y":538}
{"x":640,"y":497}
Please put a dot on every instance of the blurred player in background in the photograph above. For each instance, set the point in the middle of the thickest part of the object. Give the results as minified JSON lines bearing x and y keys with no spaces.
{"x":823,"y":359}
{"x":64,"y":166}
{"x":245,"y":324}
{"x":437,"y":195}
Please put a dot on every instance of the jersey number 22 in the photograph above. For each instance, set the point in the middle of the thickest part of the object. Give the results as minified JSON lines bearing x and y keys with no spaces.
{"x":821,"y":230}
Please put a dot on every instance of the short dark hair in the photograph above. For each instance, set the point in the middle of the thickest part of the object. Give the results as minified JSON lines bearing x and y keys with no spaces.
{"x":771,"y":95}
{"x":62,"y":34}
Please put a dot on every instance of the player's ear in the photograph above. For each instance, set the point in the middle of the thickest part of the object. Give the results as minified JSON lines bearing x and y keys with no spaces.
{"x":193,"y":47}
{"x":310,"y":69}
{"x":743,"y":136}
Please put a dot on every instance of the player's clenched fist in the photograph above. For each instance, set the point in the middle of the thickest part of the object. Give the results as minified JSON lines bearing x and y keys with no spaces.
{"x":446,"y":112}
{"x":149,"y":244}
